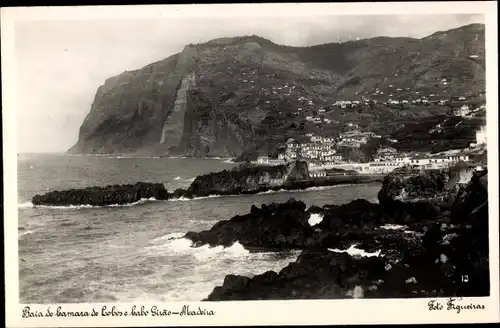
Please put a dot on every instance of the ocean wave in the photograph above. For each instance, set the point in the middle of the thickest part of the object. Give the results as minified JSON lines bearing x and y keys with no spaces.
{"x":264,"y":192}
{"x":173,"y":235}
{"x":185,"y":199}
{"x":24,"y":233}
{"x":306,"y":189}
{"x":176,"y":243}
{"x":178,"y":178}
{"x":68,"y":224}
{"x":76,"y":207}
{"x":353,"y":251}
{"x":25,"y":205}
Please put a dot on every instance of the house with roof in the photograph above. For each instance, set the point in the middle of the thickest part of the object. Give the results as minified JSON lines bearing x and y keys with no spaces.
{"x":380,"y":167}
{"x":263,"y":160}
{"x":462,"y":111}
{"x":481,"y":135}
{"x":385,"y":154}
{"x":317,"y":174}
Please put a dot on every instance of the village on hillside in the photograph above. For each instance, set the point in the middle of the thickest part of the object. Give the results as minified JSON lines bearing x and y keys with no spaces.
{"x":324,"y":153}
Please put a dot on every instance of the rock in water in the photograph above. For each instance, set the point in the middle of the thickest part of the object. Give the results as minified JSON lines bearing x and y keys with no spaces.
{"x":272,"y":227}
{"x":102,"y":196}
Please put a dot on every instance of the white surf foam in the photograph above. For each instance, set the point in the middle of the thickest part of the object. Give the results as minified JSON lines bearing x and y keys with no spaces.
{"x":353,"y":251}
{"x":24,"y":233}
{"x":306,"y":189}
{"x":185,"y":199}
{"x":393,"y":227}
{"x":177,"y":178}
{"x":315,"y":219}
{"x":206,"y":252}
{"x":174,"y":242}
{"x":25,"y":205}
{"x":173,"y":235}
{"x":264,"y":192}
{"x":73,"y":207}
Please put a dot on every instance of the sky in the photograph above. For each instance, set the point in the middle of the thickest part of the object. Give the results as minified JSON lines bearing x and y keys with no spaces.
{"x":60,"y":64}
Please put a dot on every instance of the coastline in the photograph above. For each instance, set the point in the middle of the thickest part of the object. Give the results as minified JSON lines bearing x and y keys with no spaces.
{"x":364,"y":250}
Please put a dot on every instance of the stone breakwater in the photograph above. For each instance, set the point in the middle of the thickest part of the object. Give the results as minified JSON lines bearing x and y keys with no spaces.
{"x":443,"y":253}
{"x":241,"y":180}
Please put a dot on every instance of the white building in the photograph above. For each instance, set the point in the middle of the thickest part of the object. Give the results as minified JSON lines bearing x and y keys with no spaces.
{"x":481,"y":135}
{"x":385,"y":154}
{"x":437,"y":161}
{"x":380,"y":167}
{"x":317,"y":174}
{"x":402,"y":160}
{"x":462,"y":111}
{"x":263,"y":160}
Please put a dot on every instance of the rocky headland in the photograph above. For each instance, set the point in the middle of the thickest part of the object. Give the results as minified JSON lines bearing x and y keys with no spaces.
{"x":239,"y":96}
{"x":237,"y":181}
{"x":425,"y":238}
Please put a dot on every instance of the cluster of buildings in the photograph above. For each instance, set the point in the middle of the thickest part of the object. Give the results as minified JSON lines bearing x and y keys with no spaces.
{"x":355,"y":138}
{"x":466,"y":111}
{"x":388,"y":163}
{"x":318,"y":149}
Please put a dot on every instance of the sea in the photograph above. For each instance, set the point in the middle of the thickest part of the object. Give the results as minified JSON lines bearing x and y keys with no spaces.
{"x":136,"y":252}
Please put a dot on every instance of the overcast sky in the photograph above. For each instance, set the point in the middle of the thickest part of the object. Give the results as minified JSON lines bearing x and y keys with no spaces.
{"x":60,"y":64}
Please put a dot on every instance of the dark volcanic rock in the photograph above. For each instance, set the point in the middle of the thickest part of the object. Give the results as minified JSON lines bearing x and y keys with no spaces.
{"x":253,"y":179}
{"x":446,"y":255}
{"x":274,"y":226}
{"x":470,"y":198}
{"x":249,"y":179}
{"x":322,"y":274}
{"x":101,"y":196}
{"x":463,"y":245}
{"x":410,"y":197}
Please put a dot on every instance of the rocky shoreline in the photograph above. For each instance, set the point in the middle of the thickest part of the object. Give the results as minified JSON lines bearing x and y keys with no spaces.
{"x":425,"y":238}
{"x":238,"y":181}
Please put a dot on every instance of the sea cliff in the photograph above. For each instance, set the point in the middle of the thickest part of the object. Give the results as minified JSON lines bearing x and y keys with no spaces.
{"x":240,"y":95}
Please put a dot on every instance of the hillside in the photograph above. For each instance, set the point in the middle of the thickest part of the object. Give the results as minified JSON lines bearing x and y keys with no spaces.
{"x":239,"y":95}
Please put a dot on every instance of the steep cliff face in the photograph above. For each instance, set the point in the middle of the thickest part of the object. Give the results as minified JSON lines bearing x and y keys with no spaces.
{"x":173,"y":127}
{"x":231,"y":95}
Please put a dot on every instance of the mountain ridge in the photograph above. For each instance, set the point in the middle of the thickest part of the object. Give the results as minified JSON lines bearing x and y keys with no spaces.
{"x":246,"y":90}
